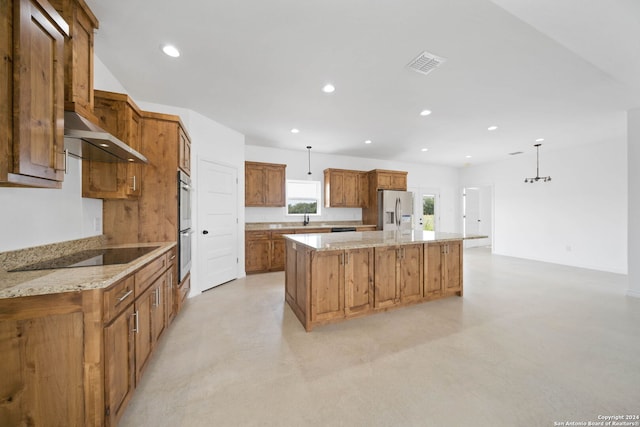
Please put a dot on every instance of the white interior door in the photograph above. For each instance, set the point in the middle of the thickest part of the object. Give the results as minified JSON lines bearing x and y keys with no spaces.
{"x":477,"y":214}
{"x":217,"y":223}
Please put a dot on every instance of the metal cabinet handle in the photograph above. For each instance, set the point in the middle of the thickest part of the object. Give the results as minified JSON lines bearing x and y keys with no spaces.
{"x":133,"y":188}
{"x":136,"y":328}
{"x":125,"y":296}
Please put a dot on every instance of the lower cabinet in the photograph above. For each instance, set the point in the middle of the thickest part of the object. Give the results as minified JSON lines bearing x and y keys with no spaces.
{"x":326,"y":286}
{"x":443,"y":269}
{"x":74,"y":358}
{"x":120,"y":367}
{"x":265,"y":250}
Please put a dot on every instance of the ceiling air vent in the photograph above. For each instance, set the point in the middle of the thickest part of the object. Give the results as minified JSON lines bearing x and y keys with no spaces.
{"x":426,"y":62}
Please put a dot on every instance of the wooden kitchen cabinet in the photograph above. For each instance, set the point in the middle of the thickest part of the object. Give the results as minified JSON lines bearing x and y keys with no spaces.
{"x":381,"y":180}
{"x":120,"y":116}
{"x":265,"y":250}
{"x":78,"y":63}
{"x":398,"y":275}
{"x":185,"y":152}
{"x":363,"y":189}
{"x":120,"y":368}
{"x":32,"y":96}
{"x":327,"y":285}
{"x":342,"y":188}
{"x":257,"y":251}
{"x":386,"y":290}
{"x":443,"y":269}
{"x":358,"y":282}
{"x":172,"y":290}
{"x":264,"y":184}
{"x":42,"y":348}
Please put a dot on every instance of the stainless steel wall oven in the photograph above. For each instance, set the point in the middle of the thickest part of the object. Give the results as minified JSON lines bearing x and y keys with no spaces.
{"x":185,"y":233}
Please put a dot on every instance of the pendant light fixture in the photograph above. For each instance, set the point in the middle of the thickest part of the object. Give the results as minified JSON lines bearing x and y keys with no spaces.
{"x":538,"y":177}
{"x":309,"y":151}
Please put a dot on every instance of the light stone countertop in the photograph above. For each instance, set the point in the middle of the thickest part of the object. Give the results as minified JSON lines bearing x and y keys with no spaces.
{"x":271,"y":226}
{"x":42,"y":282}
{"x":368,"y":239}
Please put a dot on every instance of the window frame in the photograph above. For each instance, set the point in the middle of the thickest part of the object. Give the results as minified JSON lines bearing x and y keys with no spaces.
{"x":317,"y":197}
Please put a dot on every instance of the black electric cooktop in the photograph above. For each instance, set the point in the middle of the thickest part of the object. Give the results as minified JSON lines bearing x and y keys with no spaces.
{"x":91,"y":258}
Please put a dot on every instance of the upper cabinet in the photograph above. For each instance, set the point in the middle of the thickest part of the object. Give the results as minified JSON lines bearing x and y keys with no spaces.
{"x":388,"y":180}
{"x":185,"y":152}
{"x":32,"y":37}
{"x":78,"y":63}
{"x":119,"y":115}
{"x":342,"y":188}
{"x":264,"y":184}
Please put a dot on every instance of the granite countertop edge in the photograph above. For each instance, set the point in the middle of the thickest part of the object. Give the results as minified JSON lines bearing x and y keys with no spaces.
{"x":369,"y":239}
{"x":276,"y":226}
{"x":44,"y":282}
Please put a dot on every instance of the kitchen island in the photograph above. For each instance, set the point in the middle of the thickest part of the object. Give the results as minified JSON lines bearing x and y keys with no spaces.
{"x":333,"y":277}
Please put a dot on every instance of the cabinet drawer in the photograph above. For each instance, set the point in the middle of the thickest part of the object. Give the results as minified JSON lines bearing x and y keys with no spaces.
{"x":183,"y":290}
{"x":147,"y":274}
{"x":257,"y":235}
{"x":277,"y":235}
{"x":171,"y":256}
{"x":117,"y":298}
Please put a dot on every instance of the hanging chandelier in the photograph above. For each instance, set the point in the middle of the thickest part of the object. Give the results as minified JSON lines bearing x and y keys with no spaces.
{"x":538,"y":177}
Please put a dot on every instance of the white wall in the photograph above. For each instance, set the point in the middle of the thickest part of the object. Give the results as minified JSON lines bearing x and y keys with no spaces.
{"x":34,"y":216}
{"x":578,"y":219}
{"x":444,"y":179}
{"x":633,"y":235}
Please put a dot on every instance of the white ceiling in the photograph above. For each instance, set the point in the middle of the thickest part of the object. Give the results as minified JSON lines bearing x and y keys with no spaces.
{"x":563,"y":70}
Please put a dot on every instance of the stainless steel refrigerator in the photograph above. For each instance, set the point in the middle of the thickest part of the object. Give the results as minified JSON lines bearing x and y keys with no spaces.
{"x":395,"y":210}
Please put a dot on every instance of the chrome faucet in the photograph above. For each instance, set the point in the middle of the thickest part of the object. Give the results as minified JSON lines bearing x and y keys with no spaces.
{"x":305,"y":220}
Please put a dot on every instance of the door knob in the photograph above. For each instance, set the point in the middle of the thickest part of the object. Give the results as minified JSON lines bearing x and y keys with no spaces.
{"x":205,"y":231}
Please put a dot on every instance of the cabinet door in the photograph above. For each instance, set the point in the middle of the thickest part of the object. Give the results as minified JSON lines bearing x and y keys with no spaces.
{"x":350,"y":189}
{"x":254,"y":185}
{"x":385,"y":277}
{"x":275,"y":181}
{"x":452,"y":269}
{"x":398,"y":181}
{"x":358,"y":280}
{"x":158,"y":290}
{"x":185,"y":152}
{"x":336,"y":189}
{"x":257,"y":251}
{"x":433,"y":269}
{"x":327,"y":285}
{"x":384,"y":181}
{"x":411,"y":261}
{"x":277,"y":252}
{"x":119,"y":368}
{"x":363,"y":189}
{"x":143,"y":329}
{"x":290,"y":272}
{"x":170,"y":294}
{"x":39,"y":93}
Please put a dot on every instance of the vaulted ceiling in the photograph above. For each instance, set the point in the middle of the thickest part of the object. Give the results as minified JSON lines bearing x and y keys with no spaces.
{"x":564,"y":70}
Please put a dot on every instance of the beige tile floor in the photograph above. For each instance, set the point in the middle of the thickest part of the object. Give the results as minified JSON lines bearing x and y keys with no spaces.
{"x":529,"y":344}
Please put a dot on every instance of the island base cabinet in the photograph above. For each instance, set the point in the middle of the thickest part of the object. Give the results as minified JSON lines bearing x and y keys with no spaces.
{"x":327,"y":285}
{"x":358,"y":281}
{"x":443,"y":269}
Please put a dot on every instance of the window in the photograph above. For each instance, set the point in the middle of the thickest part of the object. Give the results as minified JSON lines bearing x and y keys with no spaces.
{"x":303,"y":197}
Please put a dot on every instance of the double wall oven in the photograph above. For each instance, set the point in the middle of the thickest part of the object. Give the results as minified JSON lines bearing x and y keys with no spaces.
{"x":185,"y":232}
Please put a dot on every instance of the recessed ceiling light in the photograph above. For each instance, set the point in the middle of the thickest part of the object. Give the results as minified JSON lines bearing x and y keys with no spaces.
{"x":368,"y":141}
{"x":425,"y":112}
{"x":424,"y":149}
{"x":104,"y":145}
{"x":294,"y":130}
{"x":468,"y":157}
{"x":171,"y":51}
{"x":328,"y":88}
{"x":131,"y":160}
{"x":492,"y":128}
{"x":539,"y":139}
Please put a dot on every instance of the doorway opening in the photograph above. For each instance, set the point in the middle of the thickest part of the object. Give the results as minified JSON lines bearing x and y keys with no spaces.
{"x":429,"y":212}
